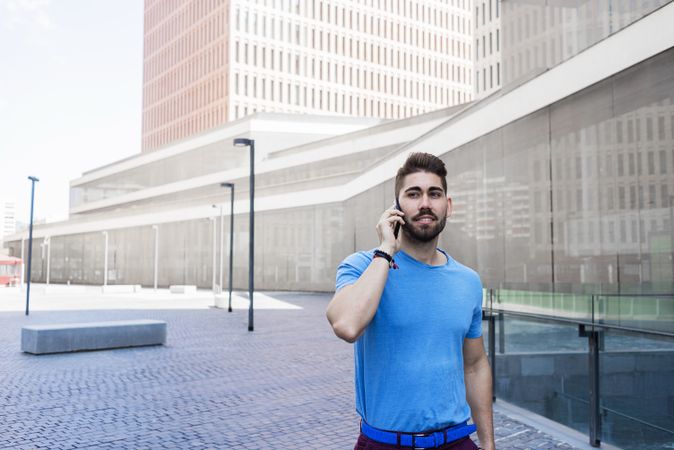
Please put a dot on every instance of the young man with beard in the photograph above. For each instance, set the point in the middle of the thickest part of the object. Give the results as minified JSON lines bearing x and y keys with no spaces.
{"x":415,"y":316}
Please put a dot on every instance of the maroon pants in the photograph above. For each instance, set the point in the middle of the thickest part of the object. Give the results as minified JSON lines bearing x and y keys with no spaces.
{"x":365,"y":443}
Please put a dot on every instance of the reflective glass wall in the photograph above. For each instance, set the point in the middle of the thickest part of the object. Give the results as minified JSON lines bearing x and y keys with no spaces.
{"x":577,"y":198}
{"x":539,"y":34}
{"x":210,"y":158}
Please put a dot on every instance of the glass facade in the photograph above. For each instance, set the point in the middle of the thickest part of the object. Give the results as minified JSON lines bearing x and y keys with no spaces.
{"x":577,"y":197}
{"x":324,"y":173}
{"x":539,"y":34}
{"x":208,"y":159}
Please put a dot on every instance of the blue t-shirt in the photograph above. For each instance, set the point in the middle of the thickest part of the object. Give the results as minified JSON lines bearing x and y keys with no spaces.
{"x":409,"y":359}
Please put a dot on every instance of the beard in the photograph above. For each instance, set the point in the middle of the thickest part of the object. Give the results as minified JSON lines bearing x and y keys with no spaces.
{"x":424,"y":232}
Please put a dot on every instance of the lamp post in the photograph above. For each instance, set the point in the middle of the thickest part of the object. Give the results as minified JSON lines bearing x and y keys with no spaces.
{"x":250,"y":143}
{"x":215,"y":291}
{"x":105,"y":261}
{"x":23,"y":258}
{"x":156,"y":254}
{"x":231,"y":241}
{"x":30,"y":239}
{"x":47,"y":242}
{"x":214,"y":221}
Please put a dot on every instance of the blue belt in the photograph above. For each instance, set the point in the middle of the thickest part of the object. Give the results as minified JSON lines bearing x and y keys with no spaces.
{"x":432,"y":439}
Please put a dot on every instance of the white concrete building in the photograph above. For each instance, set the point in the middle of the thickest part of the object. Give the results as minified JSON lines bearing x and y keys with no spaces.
{"x":386,"y":59}
{"x":487,"y":47}
{"x":7,"y":219}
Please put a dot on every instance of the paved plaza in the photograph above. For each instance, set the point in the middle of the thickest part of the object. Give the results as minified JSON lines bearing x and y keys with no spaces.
{"x":214,"y":385}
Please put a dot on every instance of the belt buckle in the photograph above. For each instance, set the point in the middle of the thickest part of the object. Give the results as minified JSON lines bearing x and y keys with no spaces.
{"x":414,"y":443}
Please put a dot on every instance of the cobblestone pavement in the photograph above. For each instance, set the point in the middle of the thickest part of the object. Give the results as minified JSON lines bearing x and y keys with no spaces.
{"x":288,"y":385}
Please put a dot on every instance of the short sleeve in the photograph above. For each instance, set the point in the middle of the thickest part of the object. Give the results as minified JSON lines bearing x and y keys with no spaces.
{"x":475,"y":330}
{"x":351,"y":269}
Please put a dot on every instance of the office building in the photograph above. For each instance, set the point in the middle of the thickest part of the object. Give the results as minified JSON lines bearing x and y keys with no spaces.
{"x":487,"y":47}
{"x":208,"y":63}
{"x":7,"y":219}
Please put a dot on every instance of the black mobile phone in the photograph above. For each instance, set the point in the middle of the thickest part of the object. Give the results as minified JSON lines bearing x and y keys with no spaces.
{"x":396,"y":229}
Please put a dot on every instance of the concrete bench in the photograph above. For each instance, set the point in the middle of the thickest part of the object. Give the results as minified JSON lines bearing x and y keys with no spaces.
{"x":183,"y":289}
{"x":120,"y":288}
{"x":73,"y":337}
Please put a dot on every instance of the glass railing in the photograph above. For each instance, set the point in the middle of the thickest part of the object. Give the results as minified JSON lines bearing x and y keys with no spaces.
{"x":600,"y":364}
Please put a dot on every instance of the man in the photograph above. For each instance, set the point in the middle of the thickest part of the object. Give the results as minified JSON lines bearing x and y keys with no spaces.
{"x":414,"y":314}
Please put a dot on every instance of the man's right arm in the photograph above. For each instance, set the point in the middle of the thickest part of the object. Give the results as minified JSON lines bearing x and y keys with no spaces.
{"x":353,"y":307}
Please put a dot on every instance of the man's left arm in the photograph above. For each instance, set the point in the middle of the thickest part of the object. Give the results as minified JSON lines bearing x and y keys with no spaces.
{"x":477,"y":374}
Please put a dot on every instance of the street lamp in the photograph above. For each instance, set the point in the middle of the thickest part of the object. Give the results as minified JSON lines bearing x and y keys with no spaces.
{"x":23,"y":258}
{"x":250,"y":143}
{"x":214,"y":221}
{"x":105,"y":262}
{"x":156,"y":254}
{"x":215,"y":291}
{"x":46,"y":242}
{"x":30,"y":238}
{"x":231,"y":241}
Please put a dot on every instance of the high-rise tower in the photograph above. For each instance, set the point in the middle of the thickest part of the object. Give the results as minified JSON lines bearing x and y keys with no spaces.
{"x":207,"y":62}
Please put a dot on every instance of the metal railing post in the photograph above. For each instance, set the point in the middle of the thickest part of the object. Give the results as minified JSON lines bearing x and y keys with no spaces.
{"x":156,"y":255}
{"x":231,"y":241}
{"x":501,"y":333}
{"x":592,"y":336}
{"x":492,"y":343}
{"x":231,"y":246}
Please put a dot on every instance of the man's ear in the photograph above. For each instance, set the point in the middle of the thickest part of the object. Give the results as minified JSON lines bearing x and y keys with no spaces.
{"x":449,"y":206}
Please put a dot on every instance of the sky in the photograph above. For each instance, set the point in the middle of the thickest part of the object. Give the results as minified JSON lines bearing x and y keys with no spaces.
{"x":70,"y":95}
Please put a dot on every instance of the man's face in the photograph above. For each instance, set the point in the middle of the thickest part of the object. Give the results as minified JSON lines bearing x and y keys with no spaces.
{"x":425,"y":204}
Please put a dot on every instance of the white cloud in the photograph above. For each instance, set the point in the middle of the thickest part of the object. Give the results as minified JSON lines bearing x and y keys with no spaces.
{"x":43,"y":21}
{"x":30,"y":13}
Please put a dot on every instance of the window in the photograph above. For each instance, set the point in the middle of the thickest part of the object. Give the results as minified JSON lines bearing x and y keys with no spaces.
{"x":649,"y":129}
{"x":664,"y":197}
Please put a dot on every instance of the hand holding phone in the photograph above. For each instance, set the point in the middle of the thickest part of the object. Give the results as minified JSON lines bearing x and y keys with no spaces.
{"x":388,"y":228}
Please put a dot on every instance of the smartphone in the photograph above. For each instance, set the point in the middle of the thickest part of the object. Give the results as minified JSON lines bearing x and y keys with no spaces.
{"x":396,"y":229}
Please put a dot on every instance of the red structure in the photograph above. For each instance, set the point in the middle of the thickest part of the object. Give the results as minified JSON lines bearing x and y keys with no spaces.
{"x":10,"y":270}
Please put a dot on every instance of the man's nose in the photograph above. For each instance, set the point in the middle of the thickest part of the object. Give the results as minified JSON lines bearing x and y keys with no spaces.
{"x":425,"y":201}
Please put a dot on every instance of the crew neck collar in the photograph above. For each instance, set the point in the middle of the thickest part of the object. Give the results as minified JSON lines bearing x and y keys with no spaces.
{"x":423,"y":264}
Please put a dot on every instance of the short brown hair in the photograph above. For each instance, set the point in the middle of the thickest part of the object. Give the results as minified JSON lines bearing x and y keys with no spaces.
{"x":421,"y":162}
